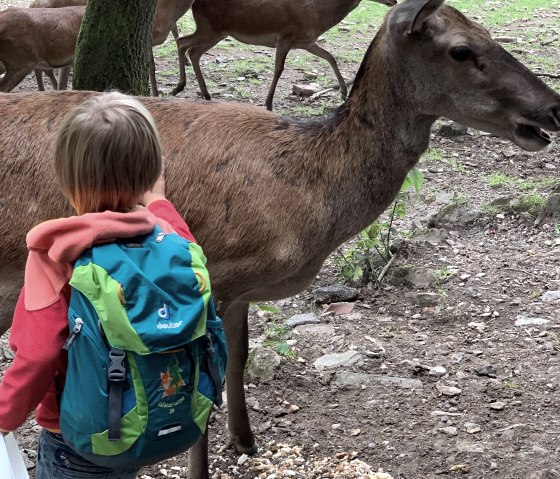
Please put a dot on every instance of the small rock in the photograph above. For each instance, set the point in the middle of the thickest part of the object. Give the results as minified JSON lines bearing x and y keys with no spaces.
{"x":487,"y":370}
{"x":300,"y":319}
{"x":420,"y":277}
{"x":335,"y":360}
{"x":497,"y":406}
{"x":468,"y":447}
{"x":437,"y":371}
{"x":305,"y":90}
{"x":349,"y":380}
{"x":525,"y":321}
{"x":508,"y":152}
{"x":452,"y":130}
{"x":456,"y":215}
{"x":449,"y":430}
{"x":424,"y":300}
{"x":315,"y":330}
{"x":448,"y":390}
{"x":242,"y":459}
{"x":480,"y":327}
{"x":263,"y":363}
{"x":551,"y":296}
{"x":334,"y":294}
{"x":7,"y":353}
{"x":472,"y":428}
{"x":433,"y":236}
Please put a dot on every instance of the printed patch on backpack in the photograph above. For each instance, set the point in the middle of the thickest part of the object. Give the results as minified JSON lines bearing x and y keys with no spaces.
{"x":171,"y":380}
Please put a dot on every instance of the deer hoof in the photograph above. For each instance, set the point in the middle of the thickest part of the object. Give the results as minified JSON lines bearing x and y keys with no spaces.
{"x":243,"y":449}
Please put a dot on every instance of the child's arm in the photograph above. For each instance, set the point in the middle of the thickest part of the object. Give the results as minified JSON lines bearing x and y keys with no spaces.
{"x":36,"y":338}
{"x":156,"y":202}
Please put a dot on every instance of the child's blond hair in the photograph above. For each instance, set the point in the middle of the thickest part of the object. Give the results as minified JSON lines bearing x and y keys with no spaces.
{"x":107,"y":154}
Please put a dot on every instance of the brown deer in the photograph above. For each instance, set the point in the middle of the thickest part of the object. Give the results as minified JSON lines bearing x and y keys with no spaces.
{"x":269,"y":197}
{"x":280,"y":24}
{"x":38,"y":38}
{"x":46,"y":39}
{"x":63,"y":73}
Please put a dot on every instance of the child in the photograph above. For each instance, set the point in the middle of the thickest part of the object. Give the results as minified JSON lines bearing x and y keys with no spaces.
{"x":107,"y":161}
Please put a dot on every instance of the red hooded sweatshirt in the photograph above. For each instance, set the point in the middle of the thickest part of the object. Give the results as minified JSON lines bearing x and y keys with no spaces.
{"x":36,"y":377}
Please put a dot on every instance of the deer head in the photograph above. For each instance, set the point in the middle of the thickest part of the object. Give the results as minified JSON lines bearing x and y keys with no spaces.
{"x":456,"y":70}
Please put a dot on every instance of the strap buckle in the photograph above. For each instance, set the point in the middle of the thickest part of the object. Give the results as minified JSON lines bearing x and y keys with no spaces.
{"x":117,"y":369}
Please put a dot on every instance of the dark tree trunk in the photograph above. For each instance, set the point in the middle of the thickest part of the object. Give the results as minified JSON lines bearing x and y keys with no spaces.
{"x":114,"y":45}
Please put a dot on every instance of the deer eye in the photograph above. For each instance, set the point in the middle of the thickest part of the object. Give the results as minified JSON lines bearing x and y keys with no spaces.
{"x":461,"y":53}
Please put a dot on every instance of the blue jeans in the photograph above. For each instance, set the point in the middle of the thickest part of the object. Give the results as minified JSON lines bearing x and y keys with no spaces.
{"x":57,"y":460}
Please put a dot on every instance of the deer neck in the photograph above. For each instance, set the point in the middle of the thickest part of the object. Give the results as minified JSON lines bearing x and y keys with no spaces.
{"x":378,"y":135}
{"x":333,"y":12}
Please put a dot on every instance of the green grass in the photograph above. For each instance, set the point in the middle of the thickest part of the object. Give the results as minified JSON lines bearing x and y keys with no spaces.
{"x":431,"y":156}
{"x":504,"y":11}
{"x":500,"y":179}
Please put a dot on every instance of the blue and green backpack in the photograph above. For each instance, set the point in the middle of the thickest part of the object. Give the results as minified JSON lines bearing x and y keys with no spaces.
{"x":146,"y":352}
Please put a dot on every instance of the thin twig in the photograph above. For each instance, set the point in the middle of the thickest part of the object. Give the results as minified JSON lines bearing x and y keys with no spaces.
{"x":329,"y":89}
{"x":386,"y":268}
{"x":551,"y":40}
{"x":549,"y":75}
{"x":387,"y":243}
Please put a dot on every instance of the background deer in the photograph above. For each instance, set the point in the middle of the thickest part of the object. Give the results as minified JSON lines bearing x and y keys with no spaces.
{"x":280,"y":24}
{"x":63,"y":73}
{"x":270,"y":198}
{"x":46,"y":38}
{"x":43,"y":38}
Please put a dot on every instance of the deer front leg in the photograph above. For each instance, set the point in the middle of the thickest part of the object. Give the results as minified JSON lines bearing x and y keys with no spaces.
{"x":325,"y":55}
{"x":13,"y":78}
{"x":39,"y":77}
{"x":281,"y":54}
{"x":236,"y":329}
{"x":198,"y":459}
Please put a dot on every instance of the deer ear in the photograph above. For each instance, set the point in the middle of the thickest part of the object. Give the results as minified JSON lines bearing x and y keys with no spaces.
{"x":409,"y":16}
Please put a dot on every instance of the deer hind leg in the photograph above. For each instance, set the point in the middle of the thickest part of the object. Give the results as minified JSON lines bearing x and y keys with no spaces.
{"x":153,"y":80}
{"x":282,"y":51}
{"x":196,"y":45}
{"x":236,"y":329}
{"x":324,"y":54}
{"x":12,"y":78}
{"x":63,"y":75}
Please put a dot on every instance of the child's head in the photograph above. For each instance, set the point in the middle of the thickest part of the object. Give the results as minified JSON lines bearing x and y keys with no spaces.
{"x":107,"y":154}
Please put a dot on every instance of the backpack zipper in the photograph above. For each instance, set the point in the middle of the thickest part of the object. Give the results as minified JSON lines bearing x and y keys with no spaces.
{"x":159,"y":237}
{"x":74,"y":334}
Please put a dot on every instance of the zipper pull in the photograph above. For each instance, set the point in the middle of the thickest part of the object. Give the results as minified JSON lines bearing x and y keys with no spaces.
{"x":74,"y":334}
{"x":159,"y":237}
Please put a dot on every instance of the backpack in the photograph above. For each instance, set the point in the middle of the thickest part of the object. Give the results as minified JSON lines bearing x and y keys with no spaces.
{"x":146,"y":351}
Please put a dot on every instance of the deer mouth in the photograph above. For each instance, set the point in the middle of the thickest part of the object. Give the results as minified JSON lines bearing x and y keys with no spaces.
{"x":530,"y":137}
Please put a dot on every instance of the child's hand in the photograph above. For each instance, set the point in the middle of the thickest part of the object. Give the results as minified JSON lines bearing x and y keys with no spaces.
{"x":158,"y":190}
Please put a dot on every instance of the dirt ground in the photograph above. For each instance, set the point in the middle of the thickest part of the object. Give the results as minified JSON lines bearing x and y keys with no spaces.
{"x":483,"y":348}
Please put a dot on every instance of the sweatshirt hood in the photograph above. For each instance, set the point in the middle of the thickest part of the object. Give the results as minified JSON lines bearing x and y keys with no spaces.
{"x":56,"y":244}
